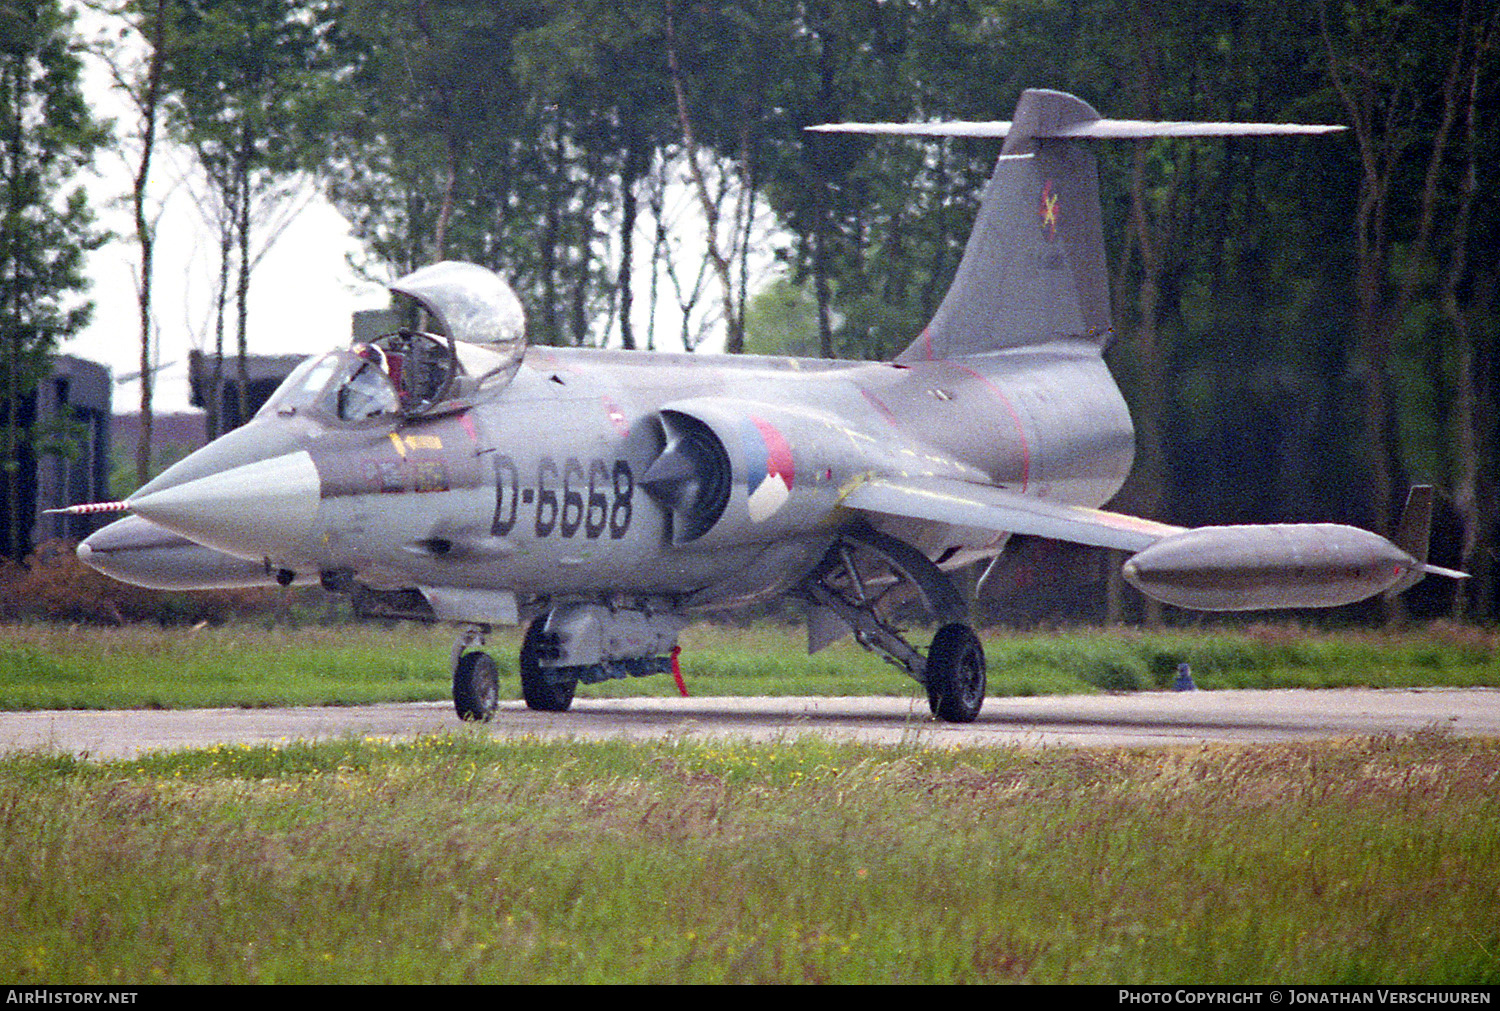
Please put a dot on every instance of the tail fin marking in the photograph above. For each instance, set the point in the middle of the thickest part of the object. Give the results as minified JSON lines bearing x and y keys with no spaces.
{"x":1033,"y":270}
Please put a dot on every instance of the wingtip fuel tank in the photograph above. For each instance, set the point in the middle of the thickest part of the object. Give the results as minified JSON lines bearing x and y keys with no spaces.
{"x":135,"y":550}
{"x":1253,"y":568}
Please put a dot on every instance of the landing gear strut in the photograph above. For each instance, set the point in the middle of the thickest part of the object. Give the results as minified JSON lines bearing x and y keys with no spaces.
{"x":867,"y":579}
{"x":542,"y":689}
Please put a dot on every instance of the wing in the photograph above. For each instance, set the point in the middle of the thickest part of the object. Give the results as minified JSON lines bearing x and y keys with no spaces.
{"x":963,"y":504}
{"x":1233,"y":568}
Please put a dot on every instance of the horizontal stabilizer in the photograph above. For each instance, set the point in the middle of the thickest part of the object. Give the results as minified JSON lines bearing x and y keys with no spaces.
{"x":1099,"y":129}
{"x":962,"y":504}
{"x":1033,"y":270}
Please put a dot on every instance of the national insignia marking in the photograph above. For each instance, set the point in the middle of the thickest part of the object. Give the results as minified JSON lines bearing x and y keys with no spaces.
{"x":1047,"y":211}
{"x":769,"y":468}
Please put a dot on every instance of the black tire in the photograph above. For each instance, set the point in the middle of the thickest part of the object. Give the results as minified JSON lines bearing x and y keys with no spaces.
{"x":476,"y":687}
{"x":539,"y":692}
{"x":955,"y":674}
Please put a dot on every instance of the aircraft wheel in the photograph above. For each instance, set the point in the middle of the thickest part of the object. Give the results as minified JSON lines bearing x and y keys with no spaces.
{"x":540,"y":693}
{"x":955,"y":674}
{"x":476,"y":687}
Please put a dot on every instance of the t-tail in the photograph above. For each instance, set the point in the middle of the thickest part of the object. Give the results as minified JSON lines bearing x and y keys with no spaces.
{"x":1034,"y":270}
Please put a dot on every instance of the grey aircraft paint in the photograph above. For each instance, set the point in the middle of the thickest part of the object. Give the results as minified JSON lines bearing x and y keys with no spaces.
{"x":605,"y":494}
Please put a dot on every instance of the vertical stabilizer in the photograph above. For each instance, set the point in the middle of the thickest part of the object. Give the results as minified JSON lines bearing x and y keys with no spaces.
{"x":1415,"y":529}
{"x":1033,"y":270}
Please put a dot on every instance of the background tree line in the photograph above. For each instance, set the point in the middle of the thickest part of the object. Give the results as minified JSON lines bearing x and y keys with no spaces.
{"x":1304,"y":326}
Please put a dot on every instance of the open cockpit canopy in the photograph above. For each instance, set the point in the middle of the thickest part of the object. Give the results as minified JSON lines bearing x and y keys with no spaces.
{"x":483,"y":331}
{"x":412,"y":372}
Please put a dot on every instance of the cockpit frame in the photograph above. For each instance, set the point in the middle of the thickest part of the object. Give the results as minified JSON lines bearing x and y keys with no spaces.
{"x":410,"y":372}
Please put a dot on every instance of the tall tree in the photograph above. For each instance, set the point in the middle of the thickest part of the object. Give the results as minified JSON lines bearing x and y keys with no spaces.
{"x":1473,"y":465}
{"x":441,"y":153}
{"x":135,"y":58}
{"x":1402,"y":102}
{"x":47,"y":137}
{"x":603,"y":62}
{"x":248,"y":81}
{"x":1405,"y":74}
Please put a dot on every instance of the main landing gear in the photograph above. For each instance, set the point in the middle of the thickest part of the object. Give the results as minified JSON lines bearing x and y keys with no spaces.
{"x":572,"y":643}
{"x":867,"y":583}
{"x":548,"y":690}
{"x":476,"y":683}
{"x":868,"y":580}
{"x":955,"y":674}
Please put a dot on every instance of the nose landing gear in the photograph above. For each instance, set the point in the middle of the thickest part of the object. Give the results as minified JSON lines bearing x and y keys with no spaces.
{"x":476,"y":681}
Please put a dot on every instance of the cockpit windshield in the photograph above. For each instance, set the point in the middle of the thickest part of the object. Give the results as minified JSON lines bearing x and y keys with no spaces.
{"x":366,"y":393}
{"x":342,"y":384}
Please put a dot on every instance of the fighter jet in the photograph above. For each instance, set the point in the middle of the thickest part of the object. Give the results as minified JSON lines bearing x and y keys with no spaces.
{"x":447,"y":472}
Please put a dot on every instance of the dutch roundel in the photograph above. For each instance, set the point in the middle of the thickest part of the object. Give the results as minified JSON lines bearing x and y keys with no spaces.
{"x":769,"y":470}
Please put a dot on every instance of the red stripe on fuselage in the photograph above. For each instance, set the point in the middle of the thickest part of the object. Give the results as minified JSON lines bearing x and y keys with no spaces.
{"x":1015,"y":417}
{"x":880,"y":406}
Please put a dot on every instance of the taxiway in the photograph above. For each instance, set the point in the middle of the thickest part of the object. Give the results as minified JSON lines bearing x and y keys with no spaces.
{"x":1136,"y":720}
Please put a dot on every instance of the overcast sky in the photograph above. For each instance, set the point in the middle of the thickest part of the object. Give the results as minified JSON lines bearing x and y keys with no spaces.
{"x":303,"y":293}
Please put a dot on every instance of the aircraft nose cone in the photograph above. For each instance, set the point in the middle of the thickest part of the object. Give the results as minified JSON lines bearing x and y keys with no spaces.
{"x":258,"y":510}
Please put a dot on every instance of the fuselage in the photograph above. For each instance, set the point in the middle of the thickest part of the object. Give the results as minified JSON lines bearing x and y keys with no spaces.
{"x":539,"y":488}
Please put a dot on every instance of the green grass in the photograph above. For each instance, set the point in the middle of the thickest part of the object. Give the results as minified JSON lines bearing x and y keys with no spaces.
{"x":64,"y":667}
{"x":57,"y":667}
{"x":460,"y":858}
